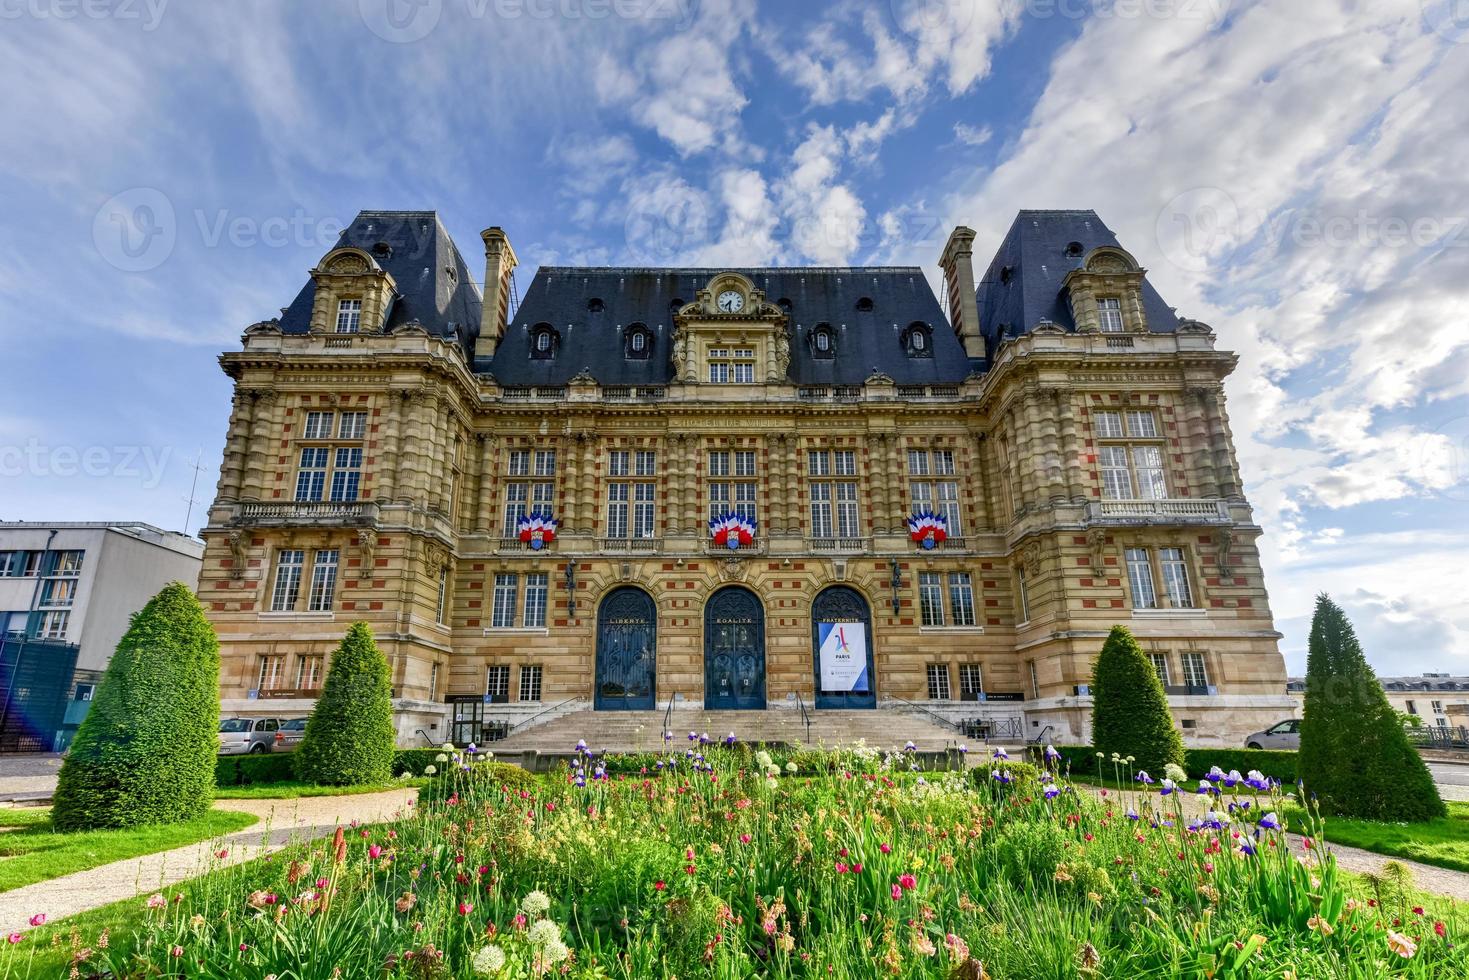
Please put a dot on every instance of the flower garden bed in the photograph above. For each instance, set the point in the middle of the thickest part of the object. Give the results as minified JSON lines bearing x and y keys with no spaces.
{"x":730,"y":866}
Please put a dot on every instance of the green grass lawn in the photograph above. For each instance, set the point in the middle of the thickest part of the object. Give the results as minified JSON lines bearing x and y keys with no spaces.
{"x":292,"y":791}
{"x":1443,"y":842}
{"x":30,"y":851}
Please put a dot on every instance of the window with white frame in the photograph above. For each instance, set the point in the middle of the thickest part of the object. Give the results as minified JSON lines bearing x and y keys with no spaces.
{"x":1160,"y":583}
{"x":323,"y":581}
{"x":352,"y":425}
{"x":930,"y":599}
{"x":732,"y":484}
{"x":1174,"y":571}
{"x":1110,"y":309}
{"x":1035,"y":683}
{"x":938,"y":682}
{"x":1195,"y":673}
{"x":537,"y":590}
{"x":346,"y":474}
{"x":961,"y":599}
{"x":66,"y":563}
{"x":630,"y":495}
{"x":971,"y":680}
{"x":502,"y":612}
{"x":938,"y":494}
{"x":1140,"y":577}
{"x":311,"y":475}
{"x":318,"y":425}
{"x":58,"y":593}
{"x":1022,"y":595}
{"x":441,"y":601}
{"x":310,"y":671}
{"x":529,"y":486}
{"x":530,"y":682}
{"x":1130,"y":469}
{"x":833,"y":499}
{"x":287,"y":587}
{"x":272,"y":672}
{"x":497,"y":682}
{"x":349,"y":315}
{"x":1160,"y":667}
{"x":53,"y":623}
{"x":731,"y":365}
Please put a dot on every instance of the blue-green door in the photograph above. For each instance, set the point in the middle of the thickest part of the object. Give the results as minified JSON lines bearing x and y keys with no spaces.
{"x":734,"y":650}
{"x":627,"y":643}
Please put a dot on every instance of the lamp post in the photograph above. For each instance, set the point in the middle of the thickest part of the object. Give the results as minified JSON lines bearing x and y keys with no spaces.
{"x":897,"y":583}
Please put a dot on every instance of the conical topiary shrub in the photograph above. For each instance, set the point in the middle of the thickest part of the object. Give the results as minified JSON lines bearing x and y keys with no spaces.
{"x":1130,"y":713}
{"x":350,"y":737}
{"x":145,"y":753}
{"x":1355,"y":757}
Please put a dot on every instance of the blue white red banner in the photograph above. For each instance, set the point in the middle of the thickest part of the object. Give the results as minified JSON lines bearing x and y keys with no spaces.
{"x":842,"y":653}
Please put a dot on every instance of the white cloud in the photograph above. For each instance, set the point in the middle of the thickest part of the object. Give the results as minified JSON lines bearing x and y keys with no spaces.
{"x":826,"y":217}
{"x":973,"y":135}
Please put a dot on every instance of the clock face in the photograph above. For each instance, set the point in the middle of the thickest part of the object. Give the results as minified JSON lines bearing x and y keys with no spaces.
{"x":730,"y":301}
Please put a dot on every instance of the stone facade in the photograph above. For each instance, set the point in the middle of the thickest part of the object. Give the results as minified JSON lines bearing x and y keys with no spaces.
{"x":427,"y":447}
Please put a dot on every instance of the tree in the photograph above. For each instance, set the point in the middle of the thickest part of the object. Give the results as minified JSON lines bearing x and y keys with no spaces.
{"x":350,"y":736}
{"x":145,"y":753}
{"x":1355,"y":756}
{"x":1130,"y":713}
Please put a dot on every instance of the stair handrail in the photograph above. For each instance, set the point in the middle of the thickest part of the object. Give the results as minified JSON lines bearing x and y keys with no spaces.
{"x":1037,"y":739}
{"x":805,"y":715}
{"x":524,"y":722}
{"x":667,"y":718}
{"x":431,"y":742}
{"x":932,"y":714}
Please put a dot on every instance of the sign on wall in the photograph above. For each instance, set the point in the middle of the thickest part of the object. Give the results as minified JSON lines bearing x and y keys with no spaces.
{"x":842,"y":650}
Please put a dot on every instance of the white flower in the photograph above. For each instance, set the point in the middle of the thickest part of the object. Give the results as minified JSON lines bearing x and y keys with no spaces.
{"x":488,"y":961}
{"x":543,"y":932}
{"x":441,"y":757}
{"x":535,"y":903}
{"x":790,"y":767}
{"x":430,"y":770}
{"x":1175,"y":772}
{"x":762,"y":759}
{"x":555,"y":951}
{"x":447,"y":746}
{"x":770,"y":784}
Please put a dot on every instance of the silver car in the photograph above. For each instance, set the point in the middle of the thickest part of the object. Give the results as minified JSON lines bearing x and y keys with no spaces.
{"x":247,"y":736}
{"x":289,"y":736}
{"x":1285,"y":735}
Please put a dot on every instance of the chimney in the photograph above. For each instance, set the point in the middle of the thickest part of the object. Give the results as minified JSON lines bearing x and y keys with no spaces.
{"x":500,"y":261}
{"x":958,"y":265}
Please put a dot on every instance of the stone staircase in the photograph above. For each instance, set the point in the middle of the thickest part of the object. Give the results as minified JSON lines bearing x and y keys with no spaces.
{"x":642,"y":731}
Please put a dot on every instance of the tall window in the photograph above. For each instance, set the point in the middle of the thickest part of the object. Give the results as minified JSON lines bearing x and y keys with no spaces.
{"x":931,"y":594}
{"x":53,"y":623}
{"x":961,"y":599}
{"x":1110,"y":308}
{"x":937,"y":494}
{"x":630,"y":495}
{"x":1035,"y":683}
{"x":311,"y":477}
{"x":930,"y":599}
{"x":732,"y":365}
{"x":323,"y":581}
{"x":503,"y":612}
{"x":971,"y":680}
{"x":732,"y":483}
{"x":497,"y":682}
{"x":349,"y":315}
{"x":347,"y":474}
{"x":1194,"y":672}
{"x":310,"y":670}
{"x":530,"y":485}
{"x":441,"y":602}
{"x":1130,"y":469}
{"x":1140,"y":576}
{"x":1175,"y":578}
{"x":287,"y":580}
{"x":530,"y":682}
{"x":318,"y":425}
{"x":66,"y":563}
{"x":272,"y":672}
{"x":352,"y":425}
{"x":1160,"y":666}
{"x":58,"y":593}
{"x":537,"y":587}
{"x":833,"y":498}
{"x":1022,"y":595}
{"x":938,"y":682}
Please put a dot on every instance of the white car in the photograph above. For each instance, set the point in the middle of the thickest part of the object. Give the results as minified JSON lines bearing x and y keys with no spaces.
{"x":1285,"y":735}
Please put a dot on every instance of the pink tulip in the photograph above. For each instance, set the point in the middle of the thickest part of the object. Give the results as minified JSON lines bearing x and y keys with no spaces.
{"x":15,"y":937}
{"x":885,"y":848}
{"x":908,"y":882}
{"x":897,"y":892}
{"x":39,"y":919}
{"x":465,"y":908}
{"x":374,"y":852}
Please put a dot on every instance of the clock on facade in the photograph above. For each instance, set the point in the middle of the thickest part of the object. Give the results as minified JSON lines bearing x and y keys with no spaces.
{"x":731,"y":301}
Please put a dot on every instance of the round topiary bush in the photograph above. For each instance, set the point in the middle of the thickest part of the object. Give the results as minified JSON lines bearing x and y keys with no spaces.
{"x":482,"y":783}
{"x":350,"y":738}
{"x":145,"y":752}
{"x":1130,"y":715}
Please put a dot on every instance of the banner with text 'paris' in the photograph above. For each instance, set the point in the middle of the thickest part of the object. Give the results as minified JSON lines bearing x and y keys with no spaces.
{"x":843,"y":655}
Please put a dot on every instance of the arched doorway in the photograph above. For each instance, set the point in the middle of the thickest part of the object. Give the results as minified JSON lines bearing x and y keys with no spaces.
{"x":841,"y":643}
{"x":734,"y":650}
{"x":627,"y":643}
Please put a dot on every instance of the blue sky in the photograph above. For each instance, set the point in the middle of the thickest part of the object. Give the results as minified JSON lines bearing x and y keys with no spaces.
{"x":1289,"y":171}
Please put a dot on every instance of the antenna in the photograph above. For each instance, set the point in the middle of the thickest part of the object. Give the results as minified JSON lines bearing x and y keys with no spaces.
{"x":196,"y":466}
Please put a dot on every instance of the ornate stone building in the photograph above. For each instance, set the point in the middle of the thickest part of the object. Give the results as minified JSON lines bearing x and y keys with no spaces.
{"x":393,"y":426}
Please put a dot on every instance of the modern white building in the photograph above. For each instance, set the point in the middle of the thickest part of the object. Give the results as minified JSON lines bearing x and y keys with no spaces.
{"x":67,"y":592}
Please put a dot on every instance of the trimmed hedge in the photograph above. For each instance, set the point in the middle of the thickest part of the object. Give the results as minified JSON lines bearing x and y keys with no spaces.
{"x":482,"y":784}
{"x":1082,"y":760}
{"x":145,"y":752}
{"x":1130,"y":713}
{"x":350,"y":737}
{"x":263,"y":770}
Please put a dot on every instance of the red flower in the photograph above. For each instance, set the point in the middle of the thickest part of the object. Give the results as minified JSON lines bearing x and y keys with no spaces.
{"x":908,"y":882}
{"x":465,"y":908}
{"x":1439,"y":930}
{"x":659,"y":885}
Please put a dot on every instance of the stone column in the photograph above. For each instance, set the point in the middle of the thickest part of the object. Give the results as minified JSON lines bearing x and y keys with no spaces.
{"x":1052,"y":459}
{"x":236,"y":447}
{"x":569,"y":511}
{"x":1204,"y":475}
{"x":1071,"y":447}
{"x":262,"y":434}
{"x":586,"y":504}
{"x":1226,"y":463}
{"x":486,"y":485}
{"x":387,"y":457}
{"x":673,"y":487}
{"x":895,"y":465}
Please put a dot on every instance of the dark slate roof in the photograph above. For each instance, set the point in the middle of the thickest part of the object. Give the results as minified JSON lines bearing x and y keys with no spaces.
{"x":1034,"y":250}
{"x":865,"y":341}
{"x":419,"y":256}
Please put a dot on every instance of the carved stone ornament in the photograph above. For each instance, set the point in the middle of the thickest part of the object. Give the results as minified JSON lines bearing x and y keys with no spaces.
{"x":347,"y":264}
{"x":733,"y":570}
{"x":1096,"y":543}
{"x":239,"y":542}
{"x":367,"y":545}
{"x":680,"y":352}
{"x":1224,"y":542}
{"x":1030,"y":558}
{"x":583,"y":377}
{"x":1047,"y":327}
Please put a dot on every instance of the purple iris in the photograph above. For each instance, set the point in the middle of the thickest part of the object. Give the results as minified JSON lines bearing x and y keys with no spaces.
{"x":1270,"y":821}
{"x":1000,"y":753}
{"x":1143,"y":777}
{"x":1000,"y":776}
{"x":1051,"y":754}
{"x":1052,"y":792}
{"x":1168,"y":788}
{"x":1256,"y":780}
{"x":1132,"y":814}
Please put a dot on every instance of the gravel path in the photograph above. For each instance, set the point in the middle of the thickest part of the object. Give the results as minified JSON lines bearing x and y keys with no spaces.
{"x":281,"y":821}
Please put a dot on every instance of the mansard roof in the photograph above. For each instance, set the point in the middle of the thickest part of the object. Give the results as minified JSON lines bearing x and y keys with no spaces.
{"x":434,"y":285}
{"x":1023,"y":283}
{"x":869,"y":337}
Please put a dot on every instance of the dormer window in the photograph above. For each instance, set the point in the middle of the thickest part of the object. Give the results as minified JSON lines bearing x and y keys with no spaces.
{"x":542,"y":341}
{"x":823,"y":341}
{"x":595,"y":305}
{"x":864,"y":305}
{"x":638,"y":342}
{"x":918,"y":340}
{"x":349,"y":315}
{"x":1110,"y":310}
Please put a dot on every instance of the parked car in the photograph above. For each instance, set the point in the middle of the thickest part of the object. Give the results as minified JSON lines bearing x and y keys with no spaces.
{"x":1286,"y":735}
{"x":247,"y":736}
{"x":289,"y":735}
